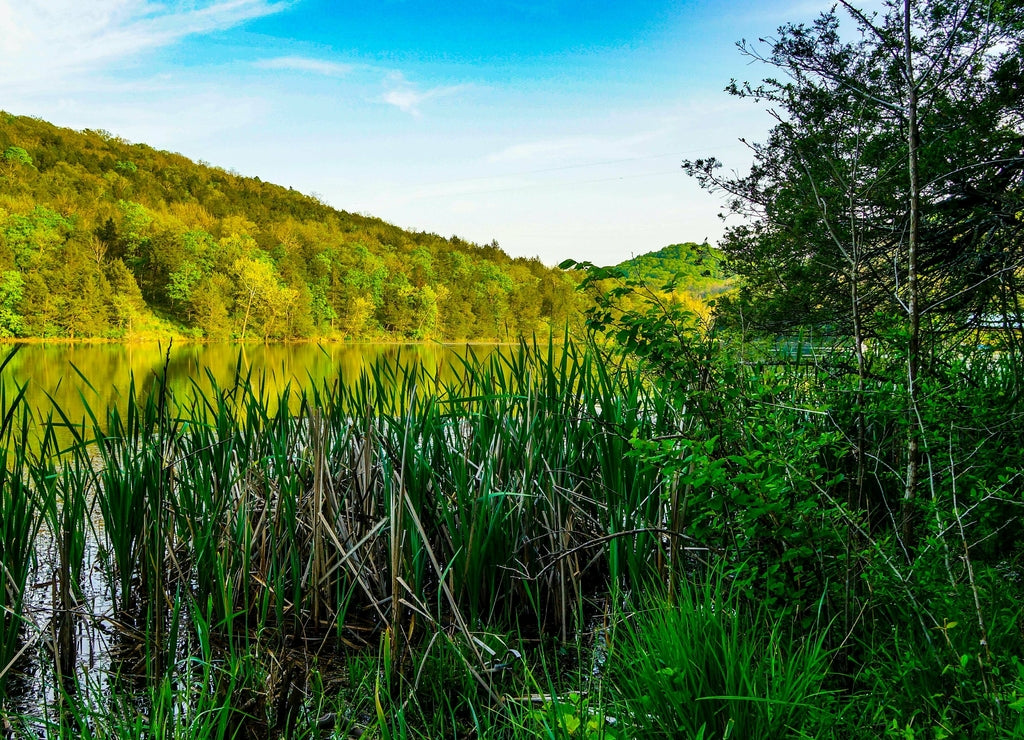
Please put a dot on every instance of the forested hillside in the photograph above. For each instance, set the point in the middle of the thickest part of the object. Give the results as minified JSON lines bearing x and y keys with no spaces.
{"x":687,"y":278}
{"x":103,"y":238}
{"x":696,"y":269}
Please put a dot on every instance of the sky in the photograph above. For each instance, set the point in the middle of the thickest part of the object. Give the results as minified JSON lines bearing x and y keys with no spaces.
{"x":555,"y":128}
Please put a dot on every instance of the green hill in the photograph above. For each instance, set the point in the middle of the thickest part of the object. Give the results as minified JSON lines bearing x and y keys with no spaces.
{"x":696,"y":269}
{"x":100,"y":237}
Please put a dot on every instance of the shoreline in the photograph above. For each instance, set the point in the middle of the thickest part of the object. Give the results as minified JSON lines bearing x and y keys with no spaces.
{"x":68,"y":341}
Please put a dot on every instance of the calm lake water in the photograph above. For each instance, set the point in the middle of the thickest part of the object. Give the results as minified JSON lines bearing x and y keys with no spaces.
{"x":59,"y":371}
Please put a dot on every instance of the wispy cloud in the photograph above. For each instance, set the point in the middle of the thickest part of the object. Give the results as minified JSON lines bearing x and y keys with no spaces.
{"x":306,"y":64}
{"x":546,"y":149}
{"x":57,"y":39}
{"x":407,"y":98}
{"x":572,"y":149}
{"x":179,"y":118}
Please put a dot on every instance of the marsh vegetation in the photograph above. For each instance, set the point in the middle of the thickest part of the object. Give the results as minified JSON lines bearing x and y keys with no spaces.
{"x":543,"y":541}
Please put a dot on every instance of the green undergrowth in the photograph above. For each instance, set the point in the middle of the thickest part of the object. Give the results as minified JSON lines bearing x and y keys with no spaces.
{"x":547,"y":544}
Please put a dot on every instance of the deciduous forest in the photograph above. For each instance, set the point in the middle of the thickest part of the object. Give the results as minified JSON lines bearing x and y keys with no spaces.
{"x":102,"y":238}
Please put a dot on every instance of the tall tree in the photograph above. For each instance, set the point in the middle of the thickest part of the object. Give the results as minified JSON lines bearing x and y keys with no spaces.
{"x":892,"y":180}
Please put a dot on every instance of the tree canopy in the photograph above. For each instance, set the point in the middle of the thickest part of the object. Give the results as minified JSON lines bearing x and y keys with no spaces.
{"x":698,"y":269}
{"x":103,"y":238}
{"x":828,"y":202}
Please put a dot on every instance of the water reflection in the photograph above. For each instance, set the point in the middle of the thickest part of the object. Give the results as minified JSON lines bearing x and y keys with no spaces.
{"x":100,"y":375}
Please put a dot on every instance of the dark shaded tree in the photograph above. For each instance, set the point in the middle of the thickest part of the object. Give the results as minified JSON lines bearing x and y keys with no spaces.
{"x":890,"y":186}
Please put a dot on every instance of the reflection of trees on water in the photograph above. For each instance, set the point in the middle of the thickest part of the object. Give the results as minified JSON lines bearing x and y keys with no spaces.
{"x":100,"y":375}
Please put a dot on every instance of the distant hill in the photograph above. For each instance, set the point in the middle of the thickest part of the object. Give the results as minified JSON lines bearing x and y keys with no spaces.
{"x":100,"y":237}
{"x":695,"y":269}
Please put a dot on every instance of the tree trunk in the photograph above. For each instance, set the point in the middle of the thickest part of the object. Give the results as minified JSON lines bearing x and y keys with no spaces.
{"x":248,"y":307}
{"x":913,"y":307}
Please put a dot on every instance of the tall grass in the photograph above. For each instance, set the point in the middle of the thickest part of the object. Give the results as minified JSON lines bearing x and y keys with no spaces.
{"x":710,"y":665}
{"x":19,"y":523}
{"x":394,"y":501}
{"x":61,"y":488}
{"x":564,"y":540}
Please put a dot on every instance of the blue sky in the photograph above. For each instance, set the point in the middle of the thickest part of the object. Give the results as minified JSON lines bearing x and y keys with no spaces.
{"x":556,"y":128}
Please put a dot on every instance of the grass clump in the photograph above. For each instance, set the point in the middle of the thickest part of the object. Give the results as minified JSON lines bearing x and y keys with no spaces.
{"x":711,"y":665}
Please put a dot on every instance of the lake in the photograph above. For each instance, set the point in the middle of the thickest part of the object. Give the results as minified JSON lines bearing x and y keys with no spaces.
{"x":60,"y":371}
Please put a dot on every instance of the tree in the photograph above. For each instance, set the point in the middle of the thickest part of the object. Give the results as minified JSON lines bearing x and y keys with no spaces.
{"x":14,"y":158}
{"x":182,"y":281}
{"x":125,"y":301}
{"x":35,"y":238}
{"x":260,"y":297}
{"x":136,"y":221}
{"x":12,"y":323}
{"x":179,"y":228}
{"x":209,"y":306}
{"x":891,"y":181}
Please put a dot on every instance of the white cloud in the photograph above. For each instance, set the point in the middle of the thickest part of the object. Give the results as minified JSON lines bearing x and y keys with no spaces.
{"x":408,"y":99}
{"x":306,"y":64}
{"x":184,"y":118}
{"x":54,"y":40}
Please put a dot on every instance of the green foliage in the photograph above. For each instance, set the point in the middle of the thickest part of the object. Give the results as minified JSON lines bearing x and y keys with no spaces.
{"x":231,"y":506}
{"x":17,"y":155}
{"x":182,"y":281}
{"x":710,"y":666}
{"x":574,"y":717}
{"x":19,"y":521}
{"x":684,"y":554}
{"x":767,"y":473}
{"x":699,"y":532}
{"x":135,"y":225}
{"x":186,"y":232}
{"x":695,"y":268}
{"x":826,"y":203}
{"x":12,"y":285}
{"x":34,"y":240}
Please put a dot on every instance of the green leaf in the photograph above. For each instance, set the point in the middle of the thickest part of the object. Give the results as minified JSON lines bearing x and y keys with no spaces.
{"x":571,"y":723}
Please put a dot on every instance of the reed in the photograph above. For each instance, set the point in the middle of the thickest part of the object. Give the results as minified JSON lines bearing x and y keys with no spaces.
{"x":505,"y":495}
{"x":19,"y":521}
{"x":129,"y":491}
{"x":208,"y":478}
{"x":62,"y":491}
